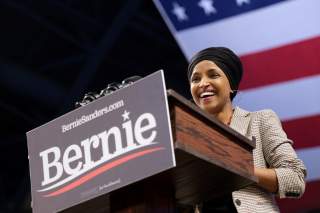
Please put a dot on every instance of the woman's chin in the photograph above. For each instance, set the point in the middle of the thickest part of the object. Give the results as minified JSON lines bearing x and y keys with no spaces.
{"x":209,"y":107}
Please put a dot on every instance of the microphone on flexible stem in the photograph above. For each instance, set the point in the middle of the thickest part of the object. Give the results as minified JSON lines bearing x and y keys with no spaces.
{"x":88,"y":97}
{"x":126,"y":82}
{"x":111,"y":87}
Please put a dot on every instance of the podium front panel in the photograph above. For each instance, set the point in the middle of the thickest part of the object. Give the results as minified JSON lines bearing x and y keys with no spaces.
{"x":110,"y":143}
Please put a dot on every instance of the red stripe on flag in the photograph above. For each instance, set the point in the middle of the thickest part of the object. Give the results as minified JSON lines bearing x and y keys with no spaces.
{"x":304,"y":131}
{"x":281,"y":64}
{"x":308,"y":203}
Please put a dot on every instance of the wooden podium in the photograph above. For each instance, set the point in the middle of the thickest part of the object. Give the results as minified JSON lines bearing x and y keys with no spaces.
{"x":212,"y":159}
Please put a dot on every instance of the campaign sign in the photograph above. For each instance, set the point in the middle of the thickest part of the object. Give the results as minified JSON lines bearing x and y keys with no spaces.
{"x":110,"y":143}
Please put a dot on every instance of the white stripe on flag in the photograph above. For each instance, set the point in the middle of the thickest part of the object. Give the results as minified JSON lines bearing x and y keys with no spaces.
{"x":259,"y":30}
{"x":290,"y":99}
{"x":310,"y":157}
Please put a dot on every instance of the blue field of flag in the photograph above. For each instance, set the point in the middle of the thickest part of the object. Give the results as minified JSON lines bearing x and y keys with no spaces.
{"x":184,"y":14}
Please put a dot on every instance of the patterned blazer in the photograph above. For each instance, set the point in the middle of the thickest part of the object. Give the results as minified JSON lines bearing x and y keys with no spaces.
{"x":273,"y":150}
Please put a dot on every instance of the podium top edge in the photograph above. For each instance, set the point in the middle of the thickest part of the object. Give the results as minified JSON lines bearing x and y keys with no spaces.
{"x":173,"y":94}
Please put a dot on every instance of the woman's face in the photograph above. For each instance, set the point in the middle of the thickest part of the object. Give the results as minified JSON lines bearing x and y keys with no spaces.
{"x":210,"y":87}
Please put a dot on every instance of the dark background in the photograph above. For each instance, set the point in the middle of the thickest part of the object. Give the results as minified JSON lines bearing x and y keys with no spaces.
{"x":54,"y":51}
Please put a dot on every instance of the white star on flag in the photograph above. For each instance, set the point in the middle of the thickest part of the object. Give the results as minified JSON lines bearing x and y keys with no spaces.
{"x":125,"y":115}
{"x":207,"y":6}
{"x":241,"y":2}
{"x":179,"y":11}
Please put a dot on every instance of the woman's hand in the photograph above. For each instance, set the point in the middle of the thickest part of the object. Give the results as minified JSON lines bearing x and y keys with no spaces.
{"x":267,"y":179}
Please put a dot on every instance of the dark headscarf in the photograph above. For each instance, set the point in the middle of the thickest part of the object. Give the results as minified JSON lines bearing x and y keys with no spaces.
{"x":225,"y":59}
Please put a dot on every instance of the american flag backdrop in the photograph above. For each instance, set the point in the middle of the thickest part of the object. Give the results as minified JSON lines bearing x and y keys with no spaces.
{"x":279,"y":44}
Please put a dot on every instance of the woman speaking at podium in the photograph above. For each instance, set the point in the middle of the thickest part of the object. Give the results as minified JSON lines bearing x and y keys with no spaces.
{"x":214,"y":75}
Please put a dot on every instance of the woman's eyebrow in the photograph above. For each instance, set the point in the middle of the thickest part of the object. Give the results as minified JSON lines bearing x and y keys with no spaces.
{"x":212,"y":70}
{"x":195,"y":74}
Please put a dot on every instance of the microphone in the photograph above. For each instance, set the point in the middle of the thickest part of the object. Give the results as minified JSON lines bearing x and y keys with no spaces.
{"x":111,"y":87}
{"x":88,"y":97}
{"x":126,"y":82}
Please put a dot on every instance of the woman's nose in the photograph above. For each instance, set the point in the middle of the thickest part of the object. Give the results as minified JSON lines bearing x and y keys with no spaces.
{"x":204,"y":82}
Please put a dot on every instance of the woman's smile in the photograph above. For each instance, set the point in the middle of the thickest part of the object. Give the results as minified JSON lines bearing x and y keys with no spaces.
{"x":207,"y":96}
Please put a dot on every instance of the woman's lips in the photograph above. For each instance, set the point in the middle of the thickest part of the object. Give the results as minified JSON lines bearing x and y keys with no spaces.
{"x":206,"y":99}
{"x":206,"y":96}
